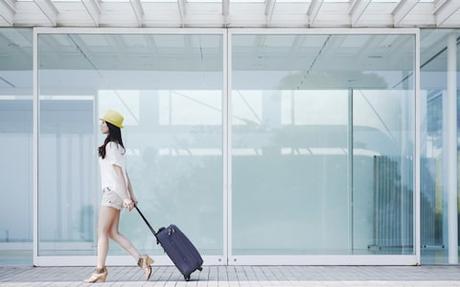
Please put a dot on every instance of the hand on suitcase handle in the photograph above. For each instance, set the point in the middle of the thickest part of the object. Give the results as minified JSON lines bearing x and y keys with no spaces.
{"x":128,"y":203}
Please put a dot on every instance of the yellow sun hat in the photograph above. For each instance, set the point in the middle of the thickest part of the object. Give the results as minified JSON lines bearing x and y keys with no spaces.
{"x":113,"y":117}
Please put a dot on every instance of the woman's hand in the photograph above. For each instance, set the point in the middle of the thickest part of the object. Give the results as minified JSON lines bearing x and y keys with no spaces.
{"x":128,"y":203}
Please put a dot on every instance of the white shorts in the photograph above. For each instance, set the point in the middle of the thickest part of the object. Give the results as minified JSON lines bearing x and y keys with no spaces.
{"x":111,"y":198}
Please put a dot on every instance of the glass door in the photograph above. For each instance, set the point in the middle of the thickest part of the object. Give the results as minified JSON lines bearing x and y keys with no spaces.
{"x":322,"y":148}
{"x":169,"y":87}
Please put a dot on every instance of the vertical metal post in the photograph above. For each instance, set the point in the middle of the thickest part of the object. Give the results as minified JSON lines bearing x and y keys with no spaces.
{"x":35,"y":149}
{"x":225,"y":130}
{"x":416,"y":170}
{"x":229,"y":205}
{"x":450,"y":148}
{"x":350,"y":167}
{"x":404,"y":166}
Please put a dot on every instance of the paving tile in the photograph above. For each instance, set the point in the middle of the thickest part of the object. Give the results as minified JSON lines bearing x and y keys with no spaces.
{"x":240,"y":276}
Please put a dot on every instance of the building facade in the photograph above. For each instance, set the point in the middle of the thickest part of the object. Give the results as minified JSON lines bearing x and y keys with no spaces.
{"x":266,"y":146}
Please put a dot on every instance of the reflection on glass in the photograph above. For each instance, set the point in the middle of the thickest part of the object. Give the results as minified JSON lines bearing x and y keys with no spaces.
{"x":322,"y":144}
{"x":434,"y":196}
{"x":16,"y":146}
{"x":169,"y":88}
{"x":383,"y":127}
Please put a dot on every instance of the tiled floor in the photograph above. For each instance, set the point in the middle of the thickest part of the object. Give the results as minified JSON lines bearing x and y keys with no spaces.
{"x":241,"y":276}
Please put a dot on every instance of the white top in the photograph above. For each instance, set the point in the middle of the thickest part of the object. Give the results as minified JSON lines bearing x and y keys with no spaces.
{"x":114,"y":155}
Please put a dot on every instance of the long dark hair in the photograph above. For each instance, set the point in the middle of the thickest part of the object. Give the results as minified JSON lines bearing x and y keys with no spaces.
{"x":114,"y":135}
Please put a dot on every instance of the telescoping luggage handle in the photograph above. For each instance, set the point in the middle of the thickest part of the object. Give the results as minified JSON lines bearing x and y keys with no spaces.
{"x":148,"y":224}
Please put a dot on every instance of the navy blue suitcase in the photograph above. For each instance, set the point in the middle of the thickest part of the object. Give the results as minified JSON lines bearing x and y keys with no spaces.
{"x":178,"y":247}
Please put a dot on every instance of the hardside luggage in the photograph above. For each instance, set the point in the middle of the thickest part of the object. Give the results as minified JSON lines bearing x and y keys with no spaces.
{"x":179,"y":248}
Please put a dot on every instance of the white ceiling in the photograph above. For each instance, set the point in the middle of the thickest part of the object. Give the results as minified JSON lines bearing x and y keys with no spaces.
{"x":230,"y":13}
{"x":134,"y":61}
{"x":130,"y":59}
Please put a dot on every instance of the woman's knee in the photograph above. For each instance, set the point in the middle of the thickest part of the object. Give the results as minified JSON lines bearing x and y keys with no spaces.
{"x":104,"y":234}
{"x":113,"y":234}
{"x":104,"y":231}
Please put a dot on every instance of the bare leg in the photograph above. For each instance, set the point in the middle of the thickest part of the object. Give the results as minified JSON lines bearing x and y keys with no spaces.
{"x":107,"y":215}
{"x":121,"y":239}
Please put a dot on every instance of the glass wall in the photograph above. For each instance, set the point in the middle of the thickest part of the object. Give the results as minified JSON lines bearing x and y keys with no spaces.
{"x":169,"y":88}
{"x":322,"y":144}
{"x":322,"y":130}
{"x":16,"y":146}
{"x":434,"y":193}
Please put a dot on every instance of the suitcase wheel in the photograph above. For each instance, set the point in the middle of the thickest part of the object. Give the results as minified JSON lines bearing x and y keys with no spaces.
{"x":187,"y":277}
{"x":200,"y":269}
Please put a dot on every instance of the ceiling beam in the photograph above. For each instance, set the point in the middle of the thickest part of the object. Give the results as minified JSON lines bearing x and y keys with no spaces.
{"x":138,"y":11}
{"x":438,"y":4}
{"x":49,"y":10}
{"x":444,"y":9}
{"x":313,"y":11}
{"x":357,"y":9}
{"x":402,"y":10}
{"x":93,"y":9}
{"x":269,"y":7}
{"x":7,"y":11}
{"x":181,"y":7}
{"x":225,"y":8}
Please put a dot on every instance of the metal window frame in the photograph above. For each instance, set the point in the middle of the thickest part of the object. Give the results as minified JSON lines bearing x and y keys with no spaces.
{"x":115,"y":260}
{"x":410,"y":259}
{"x":227,"y":258}
{"x":416,"y":169}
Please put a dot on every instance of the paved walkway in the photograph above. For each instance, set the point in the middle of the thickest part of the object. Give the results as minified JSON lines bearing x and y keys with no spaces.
{"x":231,"y":276}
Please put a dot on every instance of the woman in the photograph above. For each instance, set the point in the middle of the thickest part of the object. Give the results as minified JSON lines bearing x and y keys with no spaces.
{"x":117,"y":194}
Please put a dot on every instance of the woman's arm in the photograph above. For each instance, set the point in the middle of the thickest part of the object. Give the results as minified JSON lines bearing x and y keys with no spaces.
{"x":130,"y":189}
{"x":125,"y":192}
